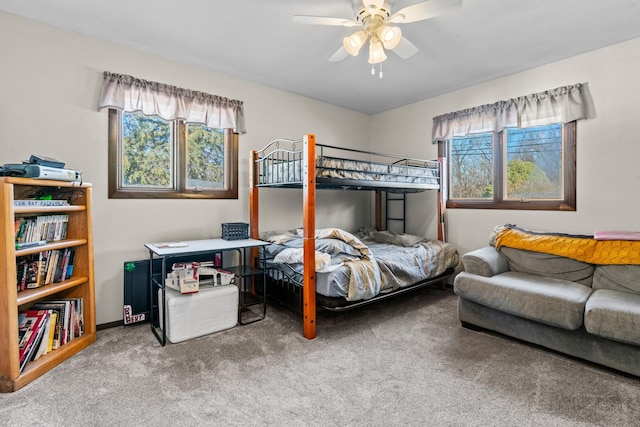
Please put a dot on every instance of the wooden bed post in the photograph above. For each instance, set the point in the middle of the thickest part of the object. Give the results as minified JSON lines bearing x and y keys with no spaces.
{"x":309,"y":229}
{"x":253,"y":197}
{"x":378,"y":210}
{"x":442,"y":200}
{"x":253,"y":213}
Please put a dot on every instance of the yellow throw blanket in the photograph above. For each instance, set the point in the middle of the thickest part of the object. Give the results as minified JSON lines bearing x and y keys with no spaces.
{"x":579,"y":248}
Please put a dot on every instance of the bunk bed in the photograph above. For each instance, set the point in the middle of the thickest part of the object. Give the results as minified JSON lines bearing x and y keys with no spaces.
{"x":302,"y":163}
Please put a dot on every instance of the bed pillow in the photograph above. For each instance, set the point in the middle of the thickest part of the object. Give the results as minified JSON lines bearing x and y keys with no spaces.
{"x":406,"y":240}
{"x":333,"y":247}
{"x":273,"y":249}
{"x":278,"y":237}
{"x":366,"y":233}
{"x":296,"y":256}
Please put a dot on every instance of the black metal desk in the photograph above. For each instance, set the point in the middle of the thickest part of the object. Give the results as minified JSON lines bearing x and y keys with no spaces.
{"x":248,"y":296}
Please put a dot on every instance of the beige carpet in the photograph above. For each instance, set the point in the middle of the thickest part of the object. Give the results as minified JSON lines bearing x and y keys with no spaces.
{"x":402,"y":362}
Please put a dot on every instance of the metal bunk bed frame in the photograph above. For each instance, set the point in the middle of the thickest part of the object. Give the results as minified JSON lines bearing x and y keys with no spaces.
{"x":309,"y":183}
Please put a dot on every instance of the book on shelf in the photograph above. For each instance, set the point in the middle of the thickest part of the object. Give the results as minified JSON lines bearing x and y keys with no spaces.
{"x":44,"y":268}
{"x":68,"y":270}
{"x":36,"y":270}
{"x":30,"y":330}
{"x":35,"y":229}
{"x":53,"y":323}
{"x":22,"y":267}
{"x":44,"y":341}
{"x":47,"y":326}
{"x":32,"y":267}
{"x":66,"y":316}
{"x":79,"y":325}
{"x":25,"y":330}
{"x":69,"y":319}
{"x":54,"y":268}
{"x":33,"y":349}
{"x":60,"y":308}
{"x":39,"y":203}
{"x":65,"y":264}
{"x":51,"y":262}
{"x":57,"y":271}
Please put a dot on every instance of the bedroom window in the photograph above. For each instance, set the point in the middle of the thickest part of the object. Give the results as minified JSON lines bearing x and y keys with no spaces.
{"x":167,"y":142}
{"x":516,"y":168}
{"x":150,"y":157}
{"x":514,"y":154}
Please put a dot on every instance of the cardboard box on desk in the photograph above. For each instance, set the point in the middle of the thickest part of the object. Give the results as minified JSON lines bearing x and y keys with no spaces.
{"x":216,"y":276}
{"x":188,"y":277}
{"x":184,"y":278}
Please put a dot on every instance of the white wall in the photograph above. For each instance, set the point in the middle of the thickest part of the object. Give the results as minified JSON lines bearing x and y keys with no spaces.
{"x":49,"y":84}
{"x":608,"y":147}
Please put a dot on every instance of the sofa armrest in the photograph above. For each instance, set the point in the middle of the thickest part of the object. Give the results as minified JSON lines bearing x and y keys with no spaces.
{"x":485,"y":262}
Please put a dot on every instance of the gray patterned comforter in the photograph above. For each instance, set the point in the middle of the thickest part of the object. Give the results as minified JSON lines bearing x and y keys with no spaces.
{"x":375,"y":262}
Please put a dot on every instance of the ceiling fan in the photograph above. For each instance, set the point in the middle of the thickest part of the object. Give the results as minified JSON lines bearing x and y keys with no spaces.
{"x":375,"y":19}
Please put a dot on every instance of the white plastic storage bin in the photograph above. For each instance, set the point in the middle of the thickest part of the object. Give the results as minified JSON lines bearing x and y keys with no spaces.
{"x":194,"y":315}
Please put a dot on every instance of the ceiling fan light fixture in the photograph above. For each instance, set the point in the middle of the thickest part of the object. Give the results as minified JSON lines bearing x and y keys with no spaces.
{"x":354,"y":42}
{"x":376,"y":52}
{"x":373,"y":6}
{"x":390,"y":36}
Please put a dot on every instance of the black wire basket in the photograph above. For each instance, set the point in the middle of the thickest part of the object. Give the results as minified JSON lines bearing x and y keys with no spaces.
{"x":235,"y":230}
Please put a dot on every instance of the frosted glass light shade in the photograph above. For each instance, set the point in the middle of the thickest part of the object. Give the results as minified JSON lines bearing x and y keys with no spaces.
{"x":372,"y":6}
{"x":354,"y":42}
{"x":389,"y":36}
{"x":376,"y":52}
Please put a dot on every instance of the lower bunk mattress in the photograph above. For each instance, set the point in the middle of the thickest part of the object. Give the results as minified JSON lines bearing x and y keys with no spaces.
{"x":361,"y":266}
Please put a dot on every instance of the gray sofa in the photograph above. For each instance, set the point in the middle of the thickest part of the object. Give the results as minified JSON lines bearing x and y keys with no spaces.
{"x":588,"y":311}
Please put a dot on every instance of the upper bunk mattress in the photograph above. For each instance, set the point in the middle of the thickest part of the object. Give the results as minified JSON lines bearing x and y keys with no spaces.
{"x":332,"y":172}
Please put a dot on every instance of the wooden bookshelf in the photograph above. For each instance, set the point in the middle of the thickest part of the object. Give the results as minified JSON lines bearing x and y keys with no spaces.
{"x":80,"y":285}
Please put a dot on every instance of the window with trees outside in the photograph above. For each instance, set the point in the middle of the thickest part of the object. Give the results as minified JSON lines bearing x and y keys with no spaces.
{"x":169,"y":142}
{"x":514,"y":168}
{"x":150,"y":157}
{"x":518,"y":153}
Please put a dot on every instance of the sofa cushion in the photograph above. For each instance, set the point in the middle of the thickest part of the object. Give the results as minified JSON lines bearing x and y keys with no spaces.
{"x":614,"y":315}
{"x":548,"y":265}
{"x":547,"y":300}
{"x":485,"y":261}
{"x":625,"y":278}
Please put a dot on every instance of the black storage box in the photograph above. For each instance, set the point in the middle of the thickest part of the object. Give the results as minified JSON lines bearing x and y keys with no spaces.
{"x":235,"y":230}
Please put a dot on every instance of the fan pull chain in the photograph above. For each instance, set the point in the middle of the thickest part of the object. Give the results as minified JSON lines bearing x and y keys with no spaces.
{"x":373,"y":70}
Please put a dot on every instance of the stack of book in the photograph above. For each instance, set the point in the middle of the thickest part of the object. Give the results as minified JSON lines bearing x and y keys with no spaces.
{"x":43,"y":228}
{"x":48,"y":325}
{"x":43,"y":268}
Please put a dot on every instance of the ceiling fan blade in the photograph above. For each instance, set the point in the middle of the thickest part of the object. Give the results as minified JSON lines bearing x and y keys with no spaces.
{"x":424,"y":10}
{"x":339,"y":55}
{"x":323,"y":20}
{"x":405,"y":49}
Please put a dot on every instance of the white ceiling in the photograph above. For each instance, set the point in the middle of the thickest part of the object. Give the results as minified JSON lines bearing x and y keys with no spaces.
{"x":256,"y":40}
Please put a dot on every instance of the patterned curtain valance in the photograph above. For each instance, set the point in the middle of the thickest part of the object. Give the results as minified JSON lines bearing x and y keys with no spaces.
{"x":127,"y":93}
{"x":561,"y":105}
